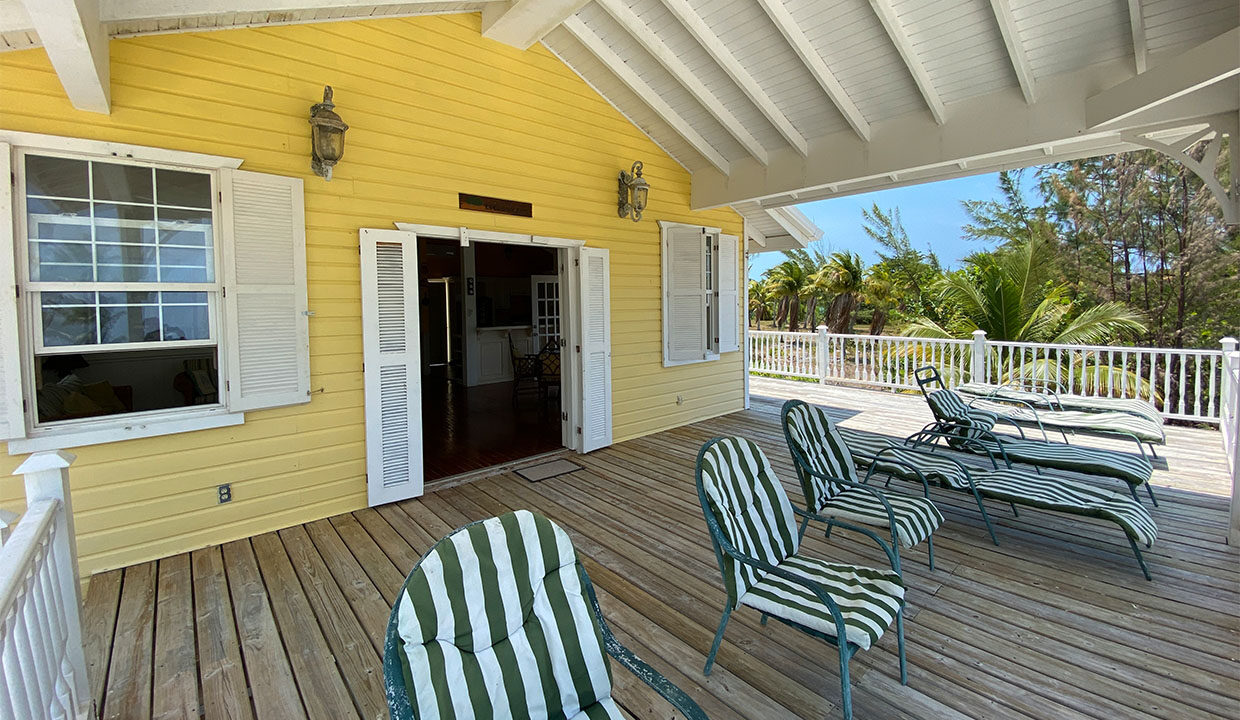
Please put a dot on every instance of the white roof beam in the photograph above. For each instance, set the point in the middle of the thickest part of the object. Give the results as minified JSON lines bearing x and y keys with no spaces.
{"x":671,"y":62}
{"x":525,"y":22}
{"x":1210,"y":62}
{"x":1139,"y":50}
{"x":817,"y":66}
{"x":895,"y":30}
{"x":77,"y":45}
{"x":131,"y":10}
{"x":726,"y":60}
{"x":629,"y":76}
{"x":1016,"y":50}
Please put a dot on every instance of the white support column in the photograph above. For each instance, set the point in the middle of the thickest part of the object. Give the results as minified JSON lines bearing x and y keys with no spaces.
{"x":1230,"y":406}
{"x":977,"y":364}
{"x":822,"y":354}
{"x":46,"y":476}
{"x":77,"y":44}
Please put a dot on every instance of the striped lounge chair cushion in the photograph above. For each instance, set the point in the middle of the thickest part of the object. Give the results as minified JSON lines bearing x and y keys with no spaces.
{"x":1104,"y":422}
{"x":1052,"y":493}
{"x":868,"y":599}
{"x":935,"y":468}
{"x":752,"y":510}
{"x":495,"y":622}
{"x":1131,"y":469}
{"x":1058,"y":401}
{"x":818,"y":442}
{"x":950,"y":407}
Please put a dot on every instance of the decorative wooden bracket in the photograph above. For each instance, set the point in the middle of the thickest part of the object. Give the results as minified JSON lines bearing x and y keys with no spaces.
{"x":1207,"y":168}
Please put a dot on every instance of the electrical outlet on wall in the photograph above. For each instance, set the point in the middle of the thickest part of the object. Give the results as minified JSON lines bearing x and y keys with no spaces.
{"x":225,"y":492}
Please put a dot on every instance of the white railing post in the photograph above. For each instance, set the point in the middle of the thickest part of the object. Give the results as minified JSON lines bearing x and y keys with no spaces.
{"x":46,"y":477}
{"x":977,"y":364}
{"x":822,"y":354}
{"x":1229,"y":423}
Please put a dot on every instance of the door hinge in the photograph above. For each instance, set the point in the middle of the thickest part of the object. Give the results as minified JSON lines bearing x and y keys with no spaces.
{"x":578,"y":429}
{"x":563,"y":416}
{"x":223,"y":291}
{"x":576,"y":262}
{"x":227,"y":386}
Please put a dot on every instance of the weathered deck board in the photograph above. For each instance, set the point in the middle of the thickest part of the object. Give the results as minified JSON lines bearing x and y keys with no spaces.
{"x":1055,"y":622}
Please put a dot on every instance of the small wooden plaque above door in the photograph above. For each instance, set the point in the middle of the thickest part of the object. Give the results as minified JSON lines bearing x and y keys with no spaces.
{"x":499,"y":206}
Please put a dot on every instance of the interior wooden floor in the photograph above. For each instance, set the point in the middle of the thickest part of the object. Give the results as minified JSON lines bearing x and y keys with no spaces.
{"x":1056,"y":622}
{"x":470,"y":428}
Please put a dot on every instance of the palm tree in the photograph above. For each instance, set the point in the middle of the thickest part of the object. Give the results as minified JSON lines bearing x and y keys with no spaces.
{"x":760,"y":301}
{"x":843,"y":276}
{"x":1007,"y":294}
{"x":881,"y":295}
{"x":788,"y":281}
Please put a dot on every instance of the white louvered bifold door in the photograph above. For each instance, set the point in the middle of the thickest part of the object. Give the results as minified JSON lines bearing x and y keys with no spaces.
{"x":264,"y":258}
{"x":729,"y":294}
{"x":12,"y":422}
{"x":391,"y":347}
{"x":684,"y":295}
{"x":595,"y":348}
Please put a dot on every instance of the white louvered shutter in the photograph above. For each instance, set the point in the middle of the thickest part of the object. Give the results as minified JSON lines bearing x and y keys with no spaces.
{"x":594,"y":265}
{"x":391,"y":349}
{"x":12,"y":421}
{"x":268,"y":339}
{"x":728,"y":300}
{"x":684,"y":295}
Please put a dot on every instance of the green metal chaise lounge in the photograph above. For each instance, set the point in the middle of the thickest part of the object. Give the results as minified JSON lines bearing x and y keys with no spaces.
{"x":499,"y":619}
{"x":883,"y":456}
{"x":1023,"y":413}
{"x":753,"y":529}
{"x":971,"y":430}
{"x":834,"y":493}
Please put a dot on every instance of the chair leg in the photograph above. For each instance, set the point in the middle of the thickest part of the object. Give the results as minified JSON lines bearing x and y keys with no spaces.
{"x":1132,"y":490}
{"x":985,"y":518}
{"x":828,"y":534}
{"x":714,"y":648}
{"x":845,"y":683}
{"x":765,"y":617}
{"x":804,"y":525}
{"x":900,"y":646}
{"x":1150,"y":491}
{"x":1152,"y":450}
{"x":1015,"y":512}
{"x":1140,"y":560}
{"x":930,"y":549}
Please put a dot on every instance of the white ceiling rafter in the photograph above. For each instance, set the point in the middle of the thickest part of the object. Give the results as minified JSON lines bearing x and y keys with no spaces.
{"x":596,"y":45}
{"x":895,"y":30}
{"x":791,"y":31}
{"x":671,"y":62}
{"x":1016,"y":50}
{"x":709,"y":41}
{"x":525,"y":22}
{"x":1139,"y":50}
{"x":77,"y":45}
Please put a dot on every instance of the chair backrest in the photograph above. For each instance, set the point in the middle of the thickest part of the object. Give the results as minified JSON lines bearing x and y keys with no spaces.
{"x":496,"y":621}
{"x":948,"y":406}
{"x":816,"y":445}
{"x":745,"y":504}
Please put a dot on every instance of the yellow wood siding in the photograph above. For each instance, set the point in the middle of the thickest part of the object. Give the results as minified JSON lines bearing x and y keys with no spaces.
{"x":434,"y":110}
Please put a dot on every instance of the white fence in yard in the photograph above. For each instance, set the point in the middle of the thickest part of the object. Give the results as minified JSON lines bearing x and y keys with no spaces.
{"x":41,"y":657}
{"x":1182,"y":384}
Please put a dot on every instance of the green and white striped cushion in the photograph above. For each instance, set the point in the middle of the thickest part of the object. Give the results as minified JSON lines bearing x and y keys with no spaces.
{"x":751,"y":508}
{"x":1107,"y":422}
{"x":495,"y":622}
{"x":1131,"y":469}
{"x":818,"y":442}
{"x":1132,"y":406}
{"x":1015,"y":486}
{"x":868,"y":599}
{"x":948,"y":406}
{"x":1052,"y":493}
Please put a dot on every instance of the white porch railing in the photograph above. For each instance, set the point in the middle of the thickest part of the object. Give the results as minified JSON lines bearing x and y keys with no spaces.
{"x":1182,"y":384}
{"x":41,"y":656}
{"x":1229,"y":420}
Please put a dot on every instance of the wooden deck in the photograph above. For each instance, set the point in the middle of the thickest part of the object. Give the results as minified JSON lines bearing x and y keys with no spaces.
{"x":1057,"y":622}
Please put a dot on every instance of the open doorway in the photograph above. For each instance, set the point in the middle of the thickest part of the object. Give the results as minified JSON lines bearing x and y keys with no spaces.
{"x":490,"y":324}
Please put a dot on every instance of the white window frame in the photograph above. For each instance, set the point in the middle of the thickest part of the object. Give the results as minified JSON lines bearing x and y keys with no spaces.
{"x":114,"y":428}
{"x":710,"y":351}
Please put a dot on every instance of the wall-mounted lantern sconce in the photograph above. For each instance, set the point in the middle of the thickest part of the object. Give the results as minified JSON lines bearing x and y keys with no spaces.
{"x":633,"y":191}
{"x":326,"y":136}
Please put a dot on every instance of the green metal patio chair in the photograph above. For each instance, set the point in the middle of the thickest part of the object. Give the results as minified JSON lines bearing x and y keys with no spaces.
{"x":754,"y":532}
{"x":499,"y":619}
{"x":835,"y":493}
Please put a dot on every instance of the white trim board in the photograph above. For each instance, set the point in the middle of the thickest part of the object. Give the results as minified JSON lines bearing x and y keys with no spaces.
{"x":127,"y":427}
{"x":496,"y":236}
{"x":106,"y":148}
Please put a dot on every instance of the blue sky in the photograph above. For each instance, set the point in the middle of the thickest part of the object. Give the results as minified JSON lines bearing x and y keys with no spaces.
{"x":932,"y":215}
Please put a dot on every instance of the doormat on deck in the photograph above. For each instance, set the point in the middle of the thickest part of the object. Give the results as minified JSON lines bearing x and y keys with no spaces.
{"x":543,"y":471}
